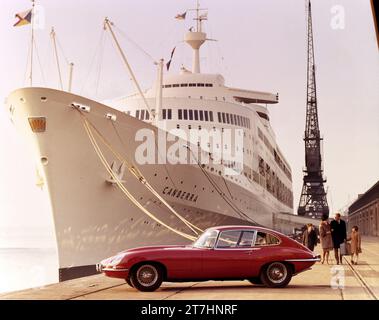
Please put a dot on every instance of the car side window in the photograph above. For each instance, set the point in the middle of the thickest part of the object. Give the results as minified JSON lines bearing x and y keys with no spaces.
{"x":228,"y":239}
{"x":246,"y":239}
{"x":266,"y":239}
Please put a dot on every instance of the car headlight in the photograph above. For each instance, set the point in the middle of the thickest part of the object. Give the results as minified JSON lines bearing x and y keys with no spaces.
{"x":116,"y":260}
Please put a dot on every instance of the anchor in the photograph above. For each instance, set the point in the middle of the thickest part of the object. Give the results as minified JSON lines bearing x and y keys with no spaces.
{"x":119,"y":173}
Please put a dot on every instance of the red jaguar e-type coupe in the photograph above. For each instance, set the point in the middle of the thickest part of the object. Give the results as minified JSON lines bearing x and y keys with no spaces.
{"x":260,"y":255}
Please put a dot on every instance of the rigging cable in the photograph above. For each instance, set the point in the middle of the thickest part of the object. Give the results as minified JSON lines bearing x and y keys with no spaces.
{"x":39,"y":62}
{"x":98,"y":48}
{"x":243,"y":215}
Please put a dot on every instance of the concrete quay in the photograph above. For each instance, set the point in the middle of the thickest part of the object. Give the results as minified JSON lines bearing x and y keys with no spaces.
{"x":323,"y":282}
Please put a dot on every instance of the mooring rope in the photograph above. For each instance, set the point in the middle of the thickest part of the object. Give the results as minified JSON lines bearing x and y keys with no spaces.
{"x":103,"y":160}
{"x":137,"y":174}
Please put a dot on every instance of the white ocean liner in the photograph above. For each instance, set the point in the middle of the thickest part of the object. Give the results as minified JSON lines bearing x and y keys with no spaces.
{"x":94,"y":218}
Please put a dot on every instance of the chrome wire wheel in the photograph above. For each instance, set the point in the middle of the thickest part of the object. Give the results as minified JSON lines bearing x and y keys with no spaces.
{"x":277,"y":272}
{"x":276,"y":275}
{"x":147,"y":275}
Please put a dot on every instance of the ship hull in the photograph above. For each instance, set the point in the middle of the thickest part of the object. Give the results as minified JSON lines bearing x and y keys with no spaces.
{"x":92,"y":217}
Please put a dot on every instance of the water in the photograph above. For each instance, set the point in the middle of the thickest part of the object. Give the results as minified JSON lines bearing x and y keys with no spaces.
{"x":22,"y":268}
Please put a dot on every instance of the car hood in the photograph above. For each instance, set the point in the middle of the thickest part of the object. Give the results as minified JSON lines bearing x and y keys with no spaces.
{"x":150,"y":248}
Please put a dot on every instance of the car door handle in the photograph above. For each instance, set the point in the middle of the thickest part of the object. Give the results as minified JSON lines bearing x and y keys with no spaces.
{"x":252,"y":250}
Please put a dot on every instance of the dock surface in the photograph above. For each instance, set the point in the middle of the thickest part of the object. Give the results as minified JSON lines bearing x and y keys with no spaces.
{"x":323,"y":282}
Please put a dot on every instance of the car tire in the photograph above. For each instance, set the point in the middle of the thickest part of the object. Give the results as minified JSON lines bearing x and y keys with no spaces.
{"x":255,"y":280}
{"x":129,"y":282}
{"x":276,"y":275}
{"x":147,"y":277}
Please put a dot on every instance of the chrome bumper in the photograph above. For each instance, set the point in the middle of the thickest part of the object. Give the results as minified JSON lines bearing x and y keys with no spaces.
{"x":314,"y":259}
{"x":101,"y":268}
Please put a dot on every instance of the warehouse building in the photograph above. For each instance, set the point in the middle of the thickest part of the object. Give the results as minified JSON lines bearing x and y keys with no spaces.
{"x":364,"y":212}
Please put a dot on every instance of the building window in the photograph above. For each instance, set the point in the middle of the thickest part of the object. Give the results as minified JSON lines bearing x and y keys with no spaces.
{"x":169,"y":114}
{"x":185,"y":114}
{"x":142,"y":114}
{"x":227,"y":118}
{"x":184,"y":85}
{"x":196,"y":114}
{"x":200,"y":84}
{"x":209,"y":84}
{"x":180,"y":114}
{"x":219,"y":116}
{"x":223,"y":117}
{"x":147,"y":115}
{"x":137,"y":114}
{"x":190,"y":114}
{"x":201,"y":115}
{"x":211,"y":116}
{"x":163,"y":114}
{"x":175,"y":85}
{"x":192,"y":84}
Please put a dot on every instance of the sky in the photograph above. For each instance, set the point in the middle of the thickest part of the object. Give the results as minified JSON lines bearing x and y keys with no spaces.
{"x":261,"y":45}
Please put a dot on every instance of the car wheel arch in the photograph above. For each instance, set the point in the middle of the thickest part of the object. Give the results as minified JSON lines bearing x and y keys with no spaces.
{"x":289,"y":264}
{"x":155,"y":263}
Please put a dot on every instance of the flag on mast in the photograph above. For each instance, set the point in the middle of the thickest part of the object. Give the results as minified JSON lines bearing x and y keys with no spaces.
{"x":168,"y":64}
{"x":181,"y":16}
{"x":24,"y":18}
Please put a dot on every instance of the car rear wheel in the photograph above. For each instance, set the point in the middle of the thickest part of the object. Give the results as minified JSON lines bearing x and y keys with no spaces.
{"x":276,"y":275}
{"x":147,"y":277}
{"x":255,"y":280}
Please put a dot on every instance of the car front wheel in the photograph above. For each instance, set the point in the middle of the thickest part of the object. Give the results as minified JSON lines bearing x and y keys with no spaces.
{"x":276,"y":275}
{"x":129,"y":282}
{"x":147,"y":277}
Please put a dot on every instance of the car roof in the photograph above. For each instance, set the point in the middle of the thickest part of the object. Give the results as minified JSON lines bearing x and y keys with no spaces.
{"x":240,"y":227}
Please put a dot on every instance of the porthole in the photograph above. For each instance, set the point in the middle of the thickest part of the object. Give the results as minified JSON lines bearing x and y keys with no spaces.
{"x":44,"y":161}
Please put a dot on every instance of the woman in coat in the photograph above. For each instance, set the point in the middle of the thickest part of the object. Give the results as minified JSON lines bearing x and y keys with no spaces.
{"x":356,"y":249}
{"x":325,"y":238}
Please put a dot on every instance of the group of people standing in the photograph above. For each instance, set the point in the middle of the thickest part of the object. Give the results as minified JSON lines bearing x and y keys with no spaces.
{"x":332,"y":235}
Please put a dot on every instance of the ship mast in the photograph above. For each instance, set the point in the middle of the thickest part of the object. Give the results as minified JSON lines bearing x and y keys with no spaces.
{"x":196,"y":39}
{"x":32,"y":44}
{"x":52,"y":34}
{"x":313,"y":202}
{"x":108,"y":25}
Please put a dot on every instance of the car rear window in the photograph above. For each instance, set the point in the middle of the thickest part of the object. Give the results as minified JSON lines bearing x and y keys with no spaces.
{"x":266,"y":239}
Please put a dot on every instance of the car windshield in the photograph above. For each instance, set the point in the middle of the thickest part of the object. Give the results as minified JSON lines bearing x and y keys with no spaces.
{"x":206,"y":240}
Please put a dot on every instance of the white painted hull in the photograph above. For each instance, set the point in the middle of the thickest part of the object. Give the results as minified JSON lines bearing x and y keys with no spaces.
{"x":93,"y":219}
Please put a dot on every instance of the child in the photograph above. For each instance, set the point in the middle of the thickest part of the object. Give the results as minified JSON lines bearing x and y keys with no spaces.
{"x":356,"y":249}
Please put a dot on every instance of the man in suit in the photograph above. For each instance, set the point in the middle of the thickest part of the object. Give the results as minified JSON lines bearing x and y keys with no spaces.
{"x":338,"y":229}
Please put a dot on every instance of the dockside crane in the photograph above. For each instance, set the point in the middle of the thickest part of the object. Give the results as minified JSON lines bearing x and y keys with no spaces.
{"x":313,"y":202}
